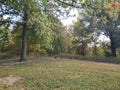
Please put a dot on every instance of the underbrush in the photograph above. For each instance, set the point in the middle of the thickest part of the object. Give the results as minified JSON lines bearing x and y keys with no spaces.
{"x":114,"y":60}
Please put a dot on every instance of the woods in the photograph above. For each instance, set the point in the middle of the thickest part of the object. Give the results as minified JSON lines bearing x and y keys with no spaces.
{"x":37,"y":29}
{"x":59,"y":44}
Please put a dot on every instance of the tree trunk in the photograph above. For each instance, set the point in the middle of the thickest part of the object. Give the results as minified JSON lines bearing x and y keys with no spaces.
{"x":95,"y":49}
{"x":83,"y":48}
{"x":24,"y":36}
{"x":113,"y":47}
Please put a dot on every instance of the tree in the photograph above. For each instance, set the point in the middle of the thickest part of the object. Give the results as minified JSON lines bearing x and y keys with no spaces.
{"x":29,"y":11}
{"x":59,"y":39}
{"x":16,"y":9}
{"x":110,"y":22}
{"x":81,"y":37}
{"x":25,"y":28}
{"x":104,"y":15}
{"x":95,"y":42}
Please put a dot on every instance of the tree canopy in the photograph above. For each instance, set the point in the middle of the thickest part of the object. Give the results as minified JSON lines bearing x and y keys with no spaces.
{"x":37,"y":27}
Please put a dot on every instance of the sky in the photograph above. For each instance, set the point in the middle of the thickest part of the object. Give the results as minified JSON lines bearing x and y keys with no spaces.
{"x":14,"y":18}
{"x":103,"y":38}
{"x":70,"y":20}
{"x":65,"y":21}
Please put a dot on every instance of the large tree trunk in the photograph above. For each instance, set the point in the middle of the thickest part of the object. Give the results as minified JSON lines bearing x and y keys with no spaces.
{"x":113,"y":47}
{"x":24,"y":36}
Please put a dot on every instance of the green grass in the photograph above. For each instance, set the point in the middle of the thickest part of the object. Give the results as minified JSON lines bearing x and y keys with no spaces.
{"x":62,"y":74}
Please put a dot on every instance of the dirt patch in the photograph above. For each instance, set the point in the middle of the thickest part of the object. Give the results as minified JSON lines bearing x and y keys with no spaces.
{"x":10,"y":80}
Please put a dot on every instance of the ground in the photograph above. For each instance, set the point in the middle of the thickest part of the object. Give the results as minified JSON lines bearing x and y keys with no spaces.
{"x":47,"y":73}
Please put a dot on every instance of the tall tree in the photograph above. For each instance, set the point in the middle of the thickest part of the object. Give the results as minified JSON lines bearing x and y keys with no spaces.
{"x":29,"y":10}
{"x":22,"y":10}
{"x":104,"y":15}
{"x":24,"y":34}
{"x":82,"y":36}
{"x":110,"y":22}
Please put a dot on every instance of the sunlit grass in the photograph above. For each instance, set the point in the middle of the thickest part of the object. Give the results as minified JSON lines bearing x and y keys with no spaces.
{"x":62,"y":74}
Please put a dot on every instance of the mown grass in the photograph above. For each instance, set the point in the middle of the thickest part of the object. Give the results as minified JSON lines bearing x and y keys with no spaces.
{"x":62,"y":74}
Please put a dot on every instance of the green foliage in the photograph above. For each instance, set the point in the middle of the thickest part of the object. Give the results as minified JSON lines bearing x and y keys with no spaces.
{"x":45,"y":33}
{"x":58,"y":45}
{"x":104,"y":15}
{"x":4,"y":38}
{"x":43,"y":38}
{"x":43,"y":27}
{"x":81,"y":37}
{"x":59,"y":40}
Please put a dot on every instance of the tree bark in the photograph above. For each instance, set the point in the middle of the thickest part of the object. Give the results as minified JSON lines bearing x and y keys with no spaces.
{"x":113,"y":47}
{"x":83,"y":48}
{"x":24,"y":36}
{"x":95,"y":49}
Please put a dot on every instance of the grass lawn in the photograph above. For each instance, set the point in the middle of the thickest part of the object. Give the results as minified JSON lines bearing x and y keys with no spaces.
{"x":60,"y":74}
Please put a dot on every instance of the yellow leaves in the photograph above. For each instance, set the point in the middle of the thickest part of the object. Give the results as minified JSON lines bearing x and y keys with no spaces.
{"x":104,"y":20}
{"x":107,"y":5}
{"x":32,"y":18}
{"x":112,"y":9}
{"x":12,"y":37}
{"x":87,"y":15}
{"x":95,"y":20}
{"x":112,"y":6}
{"x":115,"y":5}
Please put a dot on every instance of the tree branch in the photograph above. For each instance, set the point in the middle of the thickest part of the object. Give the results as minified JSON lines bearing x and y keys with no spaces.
{"x":72,"y":4}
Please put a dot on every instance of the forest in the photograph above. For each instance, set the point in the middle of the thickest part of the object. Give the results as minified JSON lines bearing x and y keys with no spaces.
{"x":31,"y":28}
{"x":39,"y":52}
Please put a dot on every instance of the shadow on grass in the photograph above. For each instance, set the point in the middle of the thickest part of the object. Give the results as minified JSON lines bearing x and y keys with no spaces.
{"x":111,"y":60}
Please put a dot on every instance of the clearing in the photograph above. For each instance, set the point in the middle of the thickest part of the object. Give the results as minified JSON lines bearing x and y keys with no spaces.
{"x":47,"y":73}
